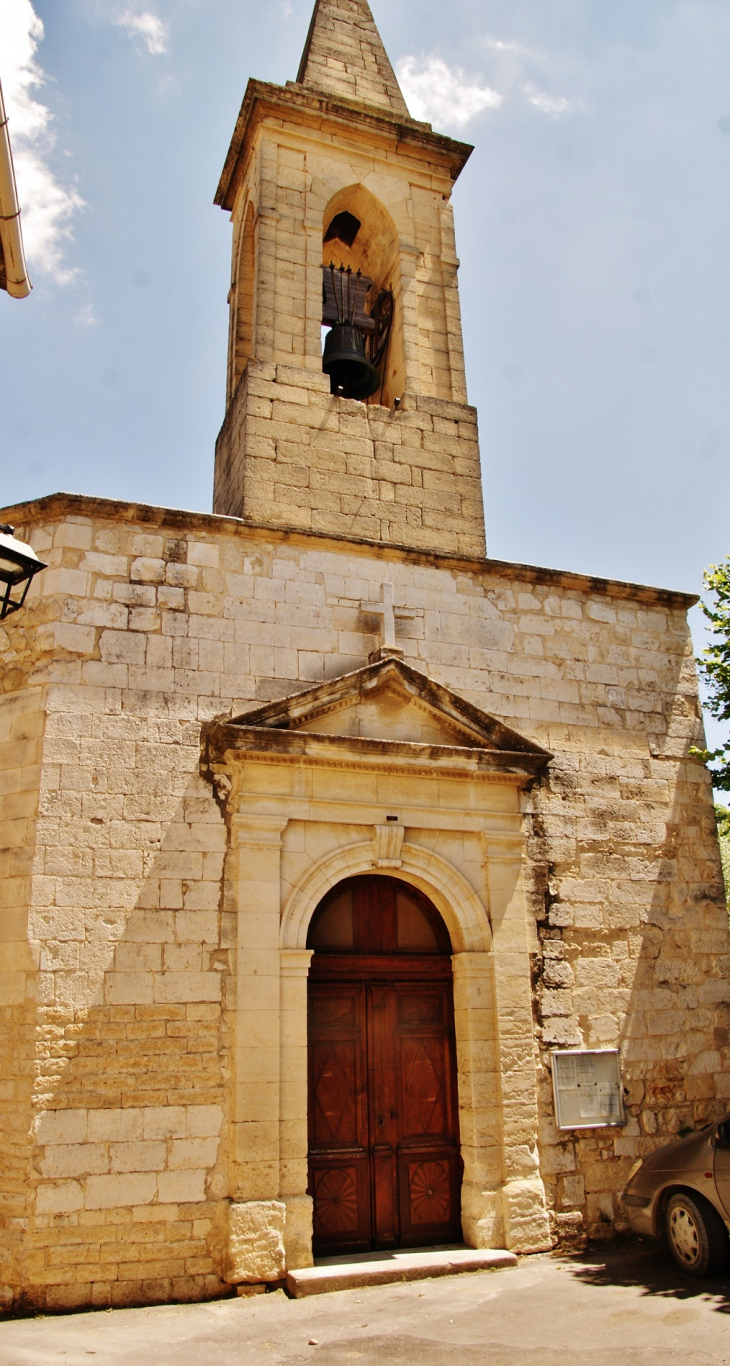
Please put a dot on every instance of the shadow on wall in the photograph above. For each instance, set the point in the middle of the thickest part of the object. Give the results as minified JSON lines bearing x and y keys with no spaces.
{"x":633,"y":953}
{"x":130,"y":1171}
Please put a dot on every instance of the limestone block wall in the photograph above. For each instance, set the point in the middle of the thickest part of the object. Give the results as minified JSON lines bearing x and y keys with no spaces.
{"x":291,"y":455}
{"x":633,"y":952}
{"x":111,"y":994}
{"x":22,"y":721}
{"x":118,"y":952}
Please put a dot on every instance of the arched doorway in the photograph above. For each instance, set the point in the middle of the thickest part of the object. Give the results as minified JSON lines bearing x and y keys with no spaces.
{"x":384,"y":1161}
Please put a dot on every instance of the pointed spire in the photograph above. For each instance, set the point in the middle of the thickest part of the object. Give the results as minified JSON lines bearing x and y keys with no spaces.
{"x":344,"y":55}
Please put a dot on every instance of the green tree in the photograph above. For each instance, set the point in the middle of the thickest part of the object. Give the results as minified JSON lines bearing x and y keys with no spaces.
{"x":723,"y":832}
{"x":714,"y":666}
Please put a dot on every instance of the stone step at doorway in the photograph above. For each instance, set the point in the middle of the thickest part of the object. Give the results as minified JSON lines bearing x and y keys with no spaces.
{"x":384,"y":1268}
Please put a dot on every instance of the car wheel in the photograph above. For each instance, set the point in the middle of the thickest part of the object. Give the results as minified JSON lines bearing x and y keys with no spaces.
{"x":696,"y":1235}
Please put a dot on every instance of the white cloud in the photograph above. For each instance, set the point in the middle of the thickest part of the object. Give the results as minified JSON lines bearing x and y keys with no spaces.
{"x":499,"y":45}
{"x":48,"y":205}
{"x":145,"y":25}
{"x":551,"y":105}
{"x":522,"y":73}
{"x":445,"y":94}
{"x":86,"y":317}
{"x":442,"y":94}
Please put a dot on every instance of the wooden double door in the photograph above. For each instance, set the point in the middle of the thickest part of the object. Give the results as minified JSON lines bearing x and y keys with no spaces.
{"x":384,"y":1161}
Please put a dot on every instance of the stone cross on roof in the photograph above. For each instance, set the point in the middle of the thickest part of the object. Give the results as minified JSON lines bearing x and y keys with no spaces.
{"x":344,"y":55}
{"x":390,"y":613}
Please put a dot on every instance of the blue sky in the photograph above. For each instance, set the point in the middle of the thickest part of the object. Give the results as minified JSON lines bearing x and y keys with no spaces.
{"x":593,"y":224}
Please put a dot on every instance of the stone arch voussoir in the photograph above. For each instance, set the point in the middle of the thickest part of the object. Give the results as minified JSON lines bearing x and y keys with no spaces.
{"x":463,"y":912}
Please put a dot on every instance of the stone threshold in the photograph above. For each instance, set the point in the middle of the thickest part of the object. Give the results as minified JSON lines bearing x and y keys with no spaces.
{"x":385,"y":1268}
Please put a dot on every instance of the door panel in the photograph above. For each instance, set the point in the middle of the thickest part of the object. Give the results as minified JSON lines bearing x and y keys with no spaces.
{"x":385,"y":1196}
{"x":340,"y":1185}
{"x":384,"y":1157}
{"x":429,"y":1162}
{"x":384,"y":1126}
{"x":334,"y":1085}
{"x":339,"y":1177}
{"x":429,"y":1190}
{"x":423,"y":1086}
{"x":384,"y":1160}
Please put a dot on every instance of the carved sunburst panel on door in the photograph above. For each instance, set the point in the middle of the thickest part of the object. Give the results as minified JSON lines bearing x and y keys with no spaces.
{"x":336,"y":1202}
{"x":429,"y":1192}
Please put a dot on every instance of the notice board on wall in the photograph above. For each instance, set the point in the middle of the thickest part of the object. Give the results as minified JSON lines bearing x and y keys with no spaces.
{"x":587,"y":1088}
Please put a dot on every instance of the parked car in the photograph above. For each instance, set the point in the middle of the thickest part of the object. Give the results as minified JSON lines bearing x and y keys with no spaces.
{"x":681,"y":1193}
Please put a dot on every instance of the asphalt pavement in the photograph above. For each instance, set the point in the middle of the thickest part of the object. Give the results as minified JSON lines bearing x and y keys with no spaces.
{"x":627,"y":1305}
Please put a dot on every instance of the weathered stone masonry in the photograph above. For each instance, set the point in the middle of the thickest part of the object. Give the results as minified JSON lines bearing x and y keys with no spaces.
{"x":520,"y":753}
{"x":117,"y":938}
{"x":294,"y":459}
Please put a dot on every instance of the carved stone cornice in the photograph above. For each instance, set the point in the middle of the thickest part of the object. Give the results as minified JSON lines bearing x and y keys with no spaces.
{"x":289,"y":730}
{"x":312,"y":108}
{"x":228,"y":747}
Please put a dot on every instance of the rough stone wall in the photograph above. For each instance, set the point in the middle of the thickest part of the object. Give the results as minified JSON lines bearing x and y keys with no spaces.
{"x":21,"y":734}
{"x":633,"y":952}
{"x":153,"y":621}
{"x":116,"y":1038}
{"x":291,"y":455}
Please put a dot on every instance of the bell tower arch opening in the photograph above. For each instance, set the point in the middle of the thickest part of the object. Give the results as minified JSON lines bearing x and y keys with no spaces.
{"x":361,"y":240}
{"x":383,"y":1158}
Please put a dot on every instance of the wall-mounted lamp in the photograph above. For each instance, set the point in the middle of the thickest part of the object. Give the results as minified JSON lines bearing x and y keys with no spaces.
{"x":18,"y":565}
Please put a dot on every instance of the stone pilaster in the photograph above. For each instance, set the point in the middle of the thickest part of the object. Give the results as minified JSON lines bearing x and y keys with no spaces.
{"x":293,"y":1122}
{"x":257,"y":844}
{"x":479,"y":1099}
{"x":523,"y":1196}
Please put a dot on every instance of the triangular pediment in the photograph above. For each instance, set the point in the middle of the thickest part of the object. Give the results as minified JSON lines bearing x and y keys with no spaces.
{"x":391,"y":703}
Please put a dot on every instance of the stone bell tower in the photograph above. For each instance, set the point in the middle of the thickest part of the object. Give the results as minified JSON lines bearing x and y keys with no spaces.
{"x":325,"y":178}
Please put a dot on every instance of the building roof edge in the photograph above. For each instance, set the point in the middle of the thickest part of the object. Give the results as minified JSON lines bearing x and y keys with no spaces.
{"x":320,"y":103}
{"x":57,"y":505}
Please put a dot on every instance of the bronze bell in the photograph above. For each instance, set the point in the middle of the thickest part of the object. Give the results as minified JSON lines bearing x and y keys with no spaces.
{"x":351,"y":371}
{"x":351,"y":374}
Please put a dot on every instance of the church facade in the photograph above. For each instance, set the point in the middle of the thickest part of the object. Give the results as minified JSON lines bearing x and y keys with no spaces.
{"x":320,"y":830}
